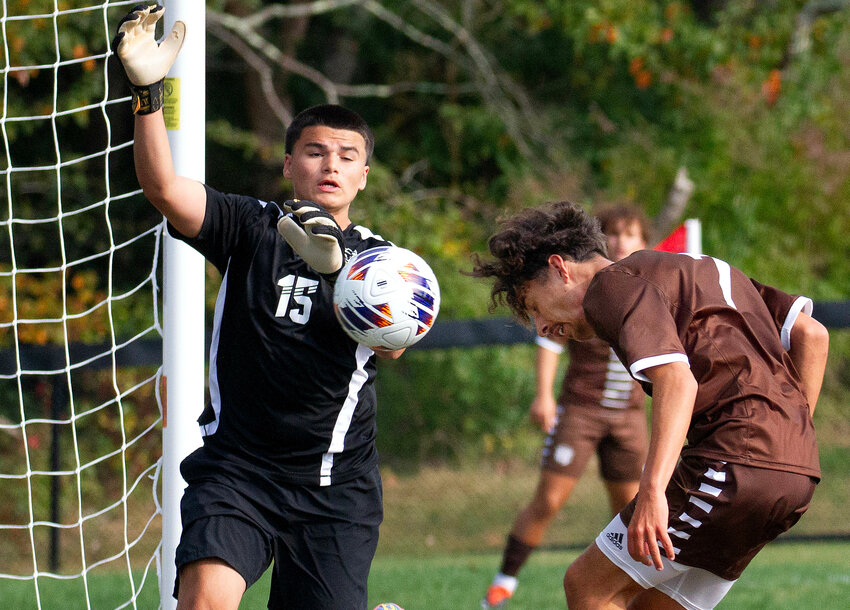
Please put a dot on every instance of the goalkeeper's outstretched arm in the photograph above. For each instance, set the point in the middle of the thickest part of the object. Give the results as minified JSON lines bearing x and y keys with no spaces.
{"x":181,"y":200}
{"x":146,"y":62}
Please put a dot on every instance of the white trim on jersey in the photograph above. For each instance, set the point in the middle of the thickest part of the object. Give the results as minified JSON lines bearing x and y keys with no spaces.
{"x":803,"y":304}
{"x":724,"y":271}
{"x":552,"y":346}
{"x":366,"y":233}
{"x":614,"y":364}
{"x":343,"y":419}
{"x":617,"y":389}
{"x":215,"y":394}
{"x":618,"y":373}
{"x":619,"y":400}
{"x":651,"y":361}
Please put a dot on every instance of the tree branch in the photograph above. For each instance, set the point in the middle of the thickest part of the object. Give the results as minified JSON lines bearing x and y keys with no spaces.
{"x":260,"y":67}
{"x":239,"y":34}
{"x":240,"y":26}
{"x":674,"y":208}
{"x":801,"y":40}
{"x":289,"y":11}
{"x":507,"y":100}
{"x":499,"y":91}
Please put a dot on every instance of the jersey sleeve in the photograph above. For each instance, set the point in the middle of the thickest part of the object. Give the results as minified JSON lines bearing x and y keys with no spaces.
{"x":634,"y":317}
{"x":549,"y":344}
{"x":360,"y":238}
{"x":225,"y":220}
{"x":784,"y":308}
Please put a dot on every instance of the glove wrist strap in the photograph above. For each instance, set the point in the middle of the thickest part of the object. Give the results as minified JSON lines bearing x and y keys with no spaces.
{"x":147,"y":99}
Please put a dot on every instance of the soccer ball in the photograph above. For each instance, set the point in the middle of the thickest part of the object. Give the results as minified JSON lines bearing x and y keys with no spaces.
{"x":386,"y":297}
{"x":388,"y":606}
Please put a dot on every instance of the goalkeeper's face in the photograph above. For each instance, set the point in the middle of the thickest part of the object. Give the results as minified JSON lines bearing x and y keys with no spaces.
{"x":328,"y":166}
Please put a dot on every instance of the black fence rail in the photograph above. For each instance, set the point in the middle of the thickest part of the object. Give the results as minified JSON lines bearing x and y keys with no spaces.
{"x":445,"y":334}
{"x":506,"y":331}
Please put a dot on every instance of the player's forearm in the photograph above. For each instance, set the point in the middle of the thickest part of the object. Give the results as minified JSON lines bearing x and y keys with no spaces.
{"x":674,"y":390}
{"x":181,"y":200}
{"x":809,"y":349}
{"x":152,"y":157}
{"x":547,"y":366}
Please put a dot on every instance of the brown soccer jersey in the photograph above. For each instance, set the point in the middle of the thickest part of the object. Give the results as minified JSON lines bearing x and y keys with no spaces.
{"x":597,"y":377}
{"x":655,"y":308}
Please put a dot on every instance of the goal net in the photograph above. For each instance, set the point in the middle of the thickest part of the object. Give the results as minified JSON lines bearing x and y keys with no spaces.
{"x":81,"y":251}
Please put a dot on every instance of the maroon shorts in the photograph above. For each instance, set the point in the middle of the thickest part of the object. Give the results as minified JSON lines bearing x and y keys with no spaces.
{"x":722,"y":514}
{"x":618,"y":436}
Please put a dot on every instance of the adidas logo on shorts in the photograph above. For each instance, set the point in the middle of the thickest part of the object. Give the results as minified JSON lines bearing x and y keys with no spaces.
{"x":616,"y":538}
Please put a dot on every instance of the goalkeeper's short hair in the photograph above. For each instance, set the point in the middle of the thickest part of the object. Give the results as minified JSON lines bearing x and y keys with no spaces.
{"x":333,"y":116}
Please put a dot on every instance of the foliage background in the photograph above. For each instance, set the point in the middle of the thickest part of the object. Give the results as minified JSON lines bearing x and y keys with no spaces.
{"x":595,"y":102}
{"x":542,"y":100}
{"x":480,"y":107}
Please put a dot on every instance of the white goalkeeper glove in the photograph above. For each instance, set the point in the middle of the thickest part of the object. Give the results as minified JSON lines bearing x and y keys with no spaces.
{"x":313,"y":234}
{"x":145,"y":61}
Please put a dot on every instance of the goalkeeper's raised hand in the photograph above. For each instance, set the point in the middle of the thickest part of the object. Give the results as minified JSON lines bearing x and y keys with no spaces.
{"x":145,"y":61}
{"x":313,"y":234}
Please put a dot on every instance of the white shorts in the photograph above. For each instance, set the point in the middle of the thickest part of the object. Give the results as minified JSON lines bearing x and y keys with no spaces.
{"x":693,"y":588}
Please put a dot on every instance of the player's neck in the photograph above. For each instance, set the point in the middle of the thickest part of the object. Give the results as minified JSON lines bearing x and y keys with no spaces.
{"x":342,"y":220}
{"x":587,"y":269}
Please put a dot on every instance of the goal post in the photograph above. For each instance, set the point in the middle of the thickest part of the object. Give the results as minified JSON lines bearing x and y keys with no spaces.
{"x":183,"y":316}
{"x":89,"y":451}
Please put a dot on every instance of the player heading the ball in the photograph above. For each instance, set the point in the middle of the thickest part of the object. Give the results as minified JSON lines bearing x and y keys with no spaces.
{"x":734,"y":368}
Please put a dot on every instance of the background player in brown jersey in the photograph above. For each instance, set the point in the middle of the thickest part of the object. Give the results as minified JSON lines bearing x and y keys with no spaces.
{"x":599,"y":409}
{"x":734,"y":368}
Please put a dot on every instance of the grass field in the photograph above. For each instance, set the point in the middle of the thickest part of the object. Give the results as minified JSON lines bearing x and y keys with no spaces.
{"x":444,"y":510}
{"x":443,"y":534}
{"x":786,"y":575}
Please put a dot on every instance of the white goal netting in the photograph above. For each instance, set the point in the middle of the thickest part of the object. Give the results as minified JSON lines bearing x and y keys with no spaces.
{"x":80,"y":332}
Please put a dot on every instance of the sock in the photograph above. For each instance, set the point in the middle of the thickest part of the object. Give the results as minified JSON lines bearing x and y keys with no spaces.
{"x":507,"y":582}
{"x":515,"y":555}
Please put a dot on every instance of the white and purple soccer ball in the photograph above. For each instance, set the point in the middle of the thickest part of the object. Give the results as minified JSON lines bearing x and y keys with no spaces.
{"x":386,"y":297}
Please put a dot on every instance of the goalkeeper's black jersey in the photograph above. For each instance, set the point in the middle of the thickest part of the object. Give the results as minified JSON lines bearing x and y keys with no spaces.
{"x":291,"y":396}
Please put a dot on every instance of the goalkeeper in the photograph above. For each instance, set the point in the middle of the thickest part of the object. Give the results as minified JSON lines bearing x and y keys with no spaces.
{"x":288,"y":472}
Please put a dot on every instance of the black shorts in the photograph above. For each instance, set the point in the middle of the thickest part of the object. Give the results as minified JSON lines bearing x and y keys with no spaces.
{"x":321,"y":539}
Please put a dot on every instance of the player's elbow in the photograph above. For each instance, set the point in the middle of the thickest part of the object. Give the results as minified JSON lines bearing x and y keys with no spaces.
{"x":182,"y":201}
{"x":155,"y":188}
{"x":810,"y":334}
{"x":155,"y":193}
{"x":820,"y":336}
{"x":388,"y":354}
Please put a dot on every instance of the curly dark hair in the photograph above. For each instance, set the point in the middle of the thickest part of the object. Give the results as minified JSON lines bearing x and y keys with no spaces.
{"x":526,"y":241}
